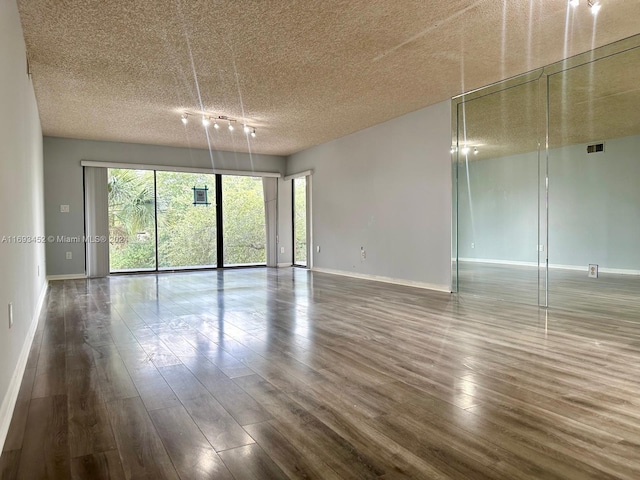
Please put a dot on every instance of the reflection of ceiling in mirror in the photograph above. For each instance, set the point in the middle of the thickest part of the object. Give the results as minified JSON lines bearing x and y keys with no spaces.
{"x":503,"y":123}
{"x":597,"y":101}
{"x":590,"y":103}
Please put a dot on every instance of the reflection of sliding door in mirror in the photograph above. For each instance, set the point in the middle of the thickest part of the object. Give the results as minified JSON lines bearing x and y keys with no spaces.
{"x":594,"y":184}
{"x":186,"y":231}
{"x":132,"y":224}
{"x":498,"y":193}
{"x":244,"y":227}
{"x":300,"y":221}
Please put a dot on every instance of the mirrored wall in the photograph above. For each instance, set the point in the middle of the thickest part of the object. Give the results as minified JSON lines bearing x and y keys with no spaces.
{"x":546,"y":171}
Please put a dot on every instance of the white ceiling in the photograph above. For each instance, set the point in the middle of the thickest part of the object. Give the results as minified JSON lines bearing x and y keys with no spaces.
{"x":302,"y":72}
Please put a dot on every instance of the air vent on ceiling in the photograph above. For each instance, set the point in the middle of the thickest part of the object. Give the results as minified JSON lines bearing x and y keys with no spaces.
{"x":595,"y":148}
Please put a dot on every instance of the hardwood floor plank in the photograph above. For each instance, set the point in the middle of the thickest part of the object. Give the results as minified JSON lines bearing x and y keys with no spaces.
{"x":191,"y":453}
{"x":97,"y":466}
{"x":290,"y":460}
{"x":250,"y":462}
{"x":45,"y":451}
{"x":89,"y":428}
{"x":15,"y":435}
{"x":182,"y":382}
{"x":141,"y":451}
{"x":50,"y":373}
{"x":114,"y":380}
{"x":244,"y":409}
{"x":153,"y":388}
{"x":220,"y":428}
{"x":9,"y":463}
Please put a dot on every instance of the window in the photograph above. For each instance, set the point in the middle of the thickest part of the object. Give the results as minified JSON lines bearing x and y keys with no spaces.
{"x":154,"y":223}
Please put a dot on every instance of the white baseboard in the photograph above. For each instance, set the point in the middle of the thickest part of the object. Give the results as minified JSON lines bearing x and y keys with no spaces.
{"x":73,"y":276}
{"x":498,"y":262}
{"x":555,"y":266}
{"x":282,"y":265}
{"x":377,"y":278}
{"x":10,"y":398}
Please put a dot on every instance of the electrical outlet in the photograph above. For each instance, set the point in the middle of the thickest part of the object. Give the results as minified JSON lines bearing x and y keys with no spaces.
{"x":473,"y":245}
{"x":69,"y":256}
{"x":64,"y":208}
{"x":363,"y":253}
{"x":541,"y":248}
{"x":281,"y":249}
{"x":10,"y":315}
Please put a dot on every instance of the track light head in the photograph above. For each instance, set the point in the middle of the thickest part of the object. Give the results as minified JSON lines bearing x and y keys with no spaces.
{"x":185,"y":118}
{"x":205,"y":121}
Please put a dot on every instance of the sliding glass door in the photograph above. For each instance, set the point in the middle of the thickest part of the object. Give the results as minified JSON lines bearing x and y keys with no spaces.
{"x":132,"y":221}
{"x":161,"y":220}
{"x":299,"y":210}
{"x":244,"y":221}
{"x":186,"y":231}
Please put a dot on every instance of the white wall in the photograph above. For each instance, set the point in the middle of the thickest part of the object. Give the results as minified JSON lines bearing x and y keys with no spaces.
{"x":64,"y":183}
{"x":387,"y":189}
{"x":21,"y":210}
{"x":594,"y":207}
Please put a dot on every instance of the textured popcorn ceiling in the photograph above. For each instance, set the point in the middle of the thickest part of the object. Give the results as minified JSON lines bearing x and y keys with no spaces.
{"x":302,"y":72}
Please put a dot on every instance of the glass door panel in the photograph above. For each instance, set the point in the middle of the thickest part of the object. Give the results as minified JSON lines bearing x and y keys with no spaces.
{"x":186,"y":232}
{"x":244,"y":228}
{"x":132,"y":225}
{"x":300,"y":221}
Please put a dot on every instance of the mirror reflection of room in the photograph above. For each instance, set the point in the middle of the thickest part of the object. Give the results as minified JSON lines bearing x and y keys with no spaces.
{"x":574,"y":242}
{"x":594,"y":178}
{"x":498,"y":163}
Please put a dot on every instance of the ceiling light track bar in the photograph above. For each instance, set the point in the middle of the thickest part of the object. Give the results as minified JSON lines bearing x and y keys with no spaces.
{"x":207,"y":119}
{"x":594,"y":5}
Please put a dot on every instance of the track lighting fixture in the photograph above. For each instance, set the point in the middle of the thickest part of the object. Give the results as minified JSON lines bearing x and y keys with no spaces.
{"x":594,"y":5}
{"x":208,"y":119}
{"x":466,"y":150}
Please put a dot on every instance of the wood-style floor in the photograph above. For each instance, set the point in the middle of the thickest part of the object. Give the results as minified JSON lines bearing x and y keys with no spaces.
{"x":264,"y":373}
